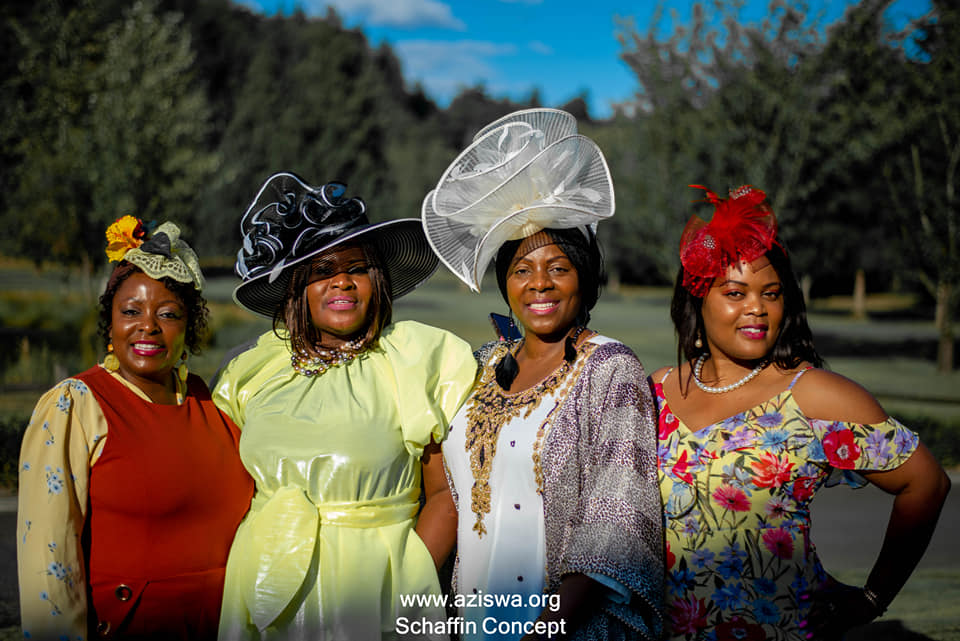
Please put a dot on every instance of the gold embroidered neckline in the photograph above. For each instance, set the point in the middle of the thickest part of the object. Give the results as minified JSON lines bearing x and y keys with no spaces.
{"x":491,"y":407}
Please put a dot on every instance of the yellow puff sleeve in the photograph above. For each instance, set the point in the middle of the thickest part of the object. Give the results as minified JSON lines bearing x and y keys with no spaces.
{"x":434,"y":372}
{"x":248,"y":373}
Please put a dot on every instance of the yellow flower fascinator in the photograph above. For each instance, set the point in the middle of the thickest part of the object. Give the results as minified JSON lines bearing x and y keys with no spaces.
{"x":162,"y":254}
{"x":124,"y":234}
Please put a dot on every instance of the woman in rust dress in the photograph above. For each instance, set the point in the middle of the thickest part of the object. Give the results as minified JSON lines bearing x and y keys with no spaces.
{"x":131,"y":487}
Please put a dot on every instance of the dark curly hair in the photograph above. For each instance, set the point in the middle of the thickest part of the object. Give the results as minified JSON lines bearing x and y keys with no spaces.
{"x":192,"y":300}
{"x":794,"y":343}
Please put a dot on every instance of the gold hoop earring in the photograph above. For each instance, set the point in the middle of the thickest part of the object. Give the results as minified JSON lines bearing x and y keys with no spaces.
{"x":181,"y":367}
{"x":110,"y":361}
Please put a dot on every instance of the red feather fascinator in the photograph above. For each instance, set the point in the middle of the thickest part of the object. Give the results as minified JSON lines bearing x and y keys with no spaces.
{"x":743,"y":227}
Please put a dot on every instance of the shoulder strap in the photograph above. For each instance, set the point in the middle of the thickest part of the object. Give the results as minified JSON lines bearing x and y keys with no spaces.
{"x":670,"y":369}
{"x":798,"y":375}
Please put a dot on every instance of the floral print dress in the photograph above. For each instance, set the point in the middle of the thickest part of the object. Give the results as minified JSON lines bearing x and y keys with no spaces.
{"x":737,"y":498}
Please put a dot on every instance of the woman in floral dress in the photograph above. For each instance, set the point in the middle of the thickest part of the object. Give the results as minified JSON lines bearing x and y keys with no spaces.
{"x":750,"y":428}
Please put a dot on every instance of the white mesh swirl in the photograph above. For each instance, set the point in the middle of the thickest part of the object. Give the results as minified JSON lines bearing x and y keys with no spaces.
{"x":524,"y":172}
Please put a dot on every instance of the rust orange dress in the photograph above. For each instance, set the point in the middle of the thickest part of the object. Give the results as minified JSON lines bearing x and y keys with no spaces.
{"x":164,"y":499}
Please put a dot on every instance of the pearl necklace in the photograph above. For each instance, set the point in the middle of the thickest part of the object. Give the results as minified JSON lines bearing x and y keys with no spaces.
{"x":726,"y":388}
{"x":313,"y":365}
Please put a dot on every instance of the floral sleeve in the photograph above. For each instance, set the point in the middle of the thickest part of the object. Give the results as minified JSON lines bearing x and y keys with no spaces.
{"x":65,"y":436}
{"x":849,"y":448}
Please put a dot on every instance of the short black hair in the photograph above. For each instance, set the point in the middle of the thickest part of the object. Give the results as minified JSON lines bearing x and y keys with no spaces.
{"x":581,"y":247}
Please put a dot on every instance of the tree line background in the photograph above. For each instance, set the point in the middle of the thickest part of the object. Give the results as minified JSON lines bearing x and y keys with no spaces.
{"x":179,"y":109}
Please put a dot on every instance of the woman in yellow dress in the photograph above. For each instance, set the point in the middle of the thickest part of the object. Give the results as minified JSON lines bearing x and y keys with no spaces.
{"x":342,"y":412}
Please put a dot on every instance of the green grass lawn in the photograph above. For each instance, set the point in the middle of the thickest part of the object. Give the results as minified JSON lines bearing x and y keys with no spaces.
{"x":929,"y":604}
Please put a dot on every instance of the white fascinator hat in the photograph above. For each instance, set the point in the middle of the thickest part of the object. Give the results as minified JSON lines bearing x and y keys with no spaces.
{"x":527,"y":171}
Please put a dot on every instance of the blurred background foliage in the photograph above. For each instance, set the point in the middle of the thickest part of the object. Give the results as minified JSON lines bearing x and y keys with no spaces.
{"x":181,"y":108}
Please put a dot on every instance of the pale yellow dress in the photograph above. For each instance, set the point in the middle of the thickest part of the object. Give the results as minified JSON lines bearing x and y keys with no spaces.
{"x":328,"y":549}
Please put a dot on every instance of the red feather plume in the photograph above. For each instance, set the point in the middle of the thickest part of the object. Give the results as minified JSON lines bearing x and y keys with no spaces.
{"x":743,"y":227}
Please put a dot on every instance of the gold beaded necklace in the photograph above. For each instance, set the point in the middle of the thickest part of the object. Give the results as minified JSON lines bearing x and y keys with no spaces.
{"x":322,"y":359}
{"x":490,"y":408}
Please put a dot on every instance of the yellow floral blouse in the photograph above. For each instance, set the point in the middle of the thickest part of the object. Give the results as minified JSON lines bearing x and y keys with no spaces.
{"x":737,"y":497}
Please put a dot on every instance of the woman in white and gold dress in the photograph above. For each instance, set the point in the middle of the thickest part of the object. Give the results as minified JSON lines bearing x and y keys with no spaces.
{"x":552,"y":459}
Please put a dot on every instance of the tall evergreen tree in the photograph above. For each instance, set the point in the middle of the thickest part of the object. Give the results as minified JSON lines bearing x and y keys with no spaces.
{"x":311,"y":103}
{"x":111,"y":124}
{"x":148,"y":123}
{"x":46,"y":106}
{"x":718,"y":103}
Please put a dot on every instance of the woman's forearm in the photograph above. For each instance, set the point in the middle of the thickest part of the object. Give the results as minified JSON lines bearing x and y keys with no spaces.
{"x":437,"y":526}
{"x":912,"y":522}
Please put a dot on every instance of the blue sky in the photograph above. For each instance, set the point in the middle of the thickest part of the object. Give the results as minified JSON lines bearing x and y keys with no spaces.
{"x":561,"y":47}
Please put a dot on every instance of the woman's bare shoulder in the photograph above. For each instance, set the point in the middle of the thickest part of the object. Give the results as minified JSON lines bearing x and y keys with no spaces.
{"x":828,"y":396}
{"x":658,"y":375}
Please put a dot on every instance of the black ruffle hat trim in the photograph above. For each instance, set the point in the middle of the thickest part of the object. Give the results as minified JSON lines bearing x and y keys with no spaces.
{"x":290,"y":221}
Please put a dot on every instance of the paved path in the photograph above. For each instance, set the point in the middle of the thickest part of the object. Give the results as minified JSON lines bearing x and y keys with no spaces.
{"x":848,"y":529}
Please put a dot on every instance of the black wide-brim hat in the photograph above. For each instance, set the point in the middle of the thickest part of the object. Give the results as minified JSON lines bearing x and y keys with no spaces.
{"x":291,"y":221}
